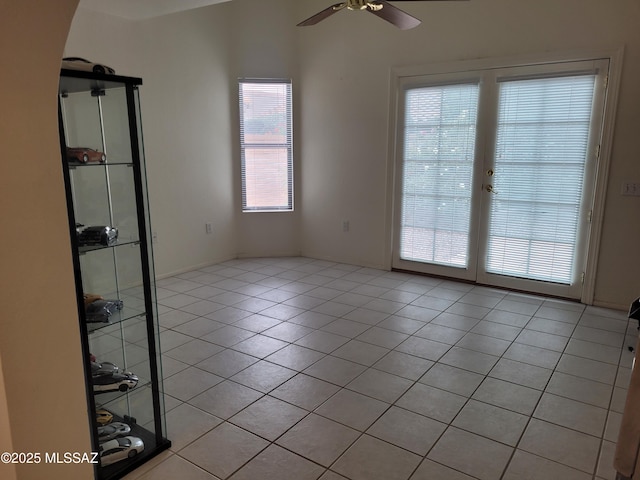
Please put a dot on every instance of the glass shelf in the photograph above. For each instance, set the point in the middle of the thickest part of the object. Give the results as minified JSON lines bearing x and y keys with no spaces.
{"x":92,"y":248}
{"x":115,"y":318}
{"x":108,"y":163}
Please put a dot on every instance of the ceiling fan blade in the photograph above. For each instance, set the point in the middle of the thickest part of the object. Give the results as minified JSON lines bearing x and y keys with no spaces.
{"x":318,"y":17}
{"x":394,"y":15}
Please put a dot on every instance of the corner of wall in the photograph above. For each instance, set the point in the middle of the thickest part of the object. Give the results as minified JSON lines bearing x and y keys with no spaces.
{"x":7,"y":470}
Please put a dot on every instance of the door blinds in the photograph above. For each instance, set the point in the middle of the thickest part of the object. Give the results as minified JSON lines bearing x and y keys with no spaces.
{"x":439,"y":143}
{"x":541,"y":150}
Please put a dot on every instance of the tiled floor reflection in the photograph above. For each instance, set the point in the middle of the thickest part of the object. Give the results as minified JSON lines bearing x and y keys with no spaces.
{"x":293,"y":368}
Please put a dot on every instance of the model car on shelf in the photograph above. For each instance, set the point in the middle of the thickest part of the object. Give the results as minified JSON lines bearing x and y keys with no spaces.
{"x":120,"y":449}
{"x":100,"y":311}
{"x":78,"y":63}
{"x":114,"y":382}
{"x":104,"y":417}
{"x":97,"y":235}
{"x":85,"y":155}
{"x":113,"y":430}
{"x":104,"y":368}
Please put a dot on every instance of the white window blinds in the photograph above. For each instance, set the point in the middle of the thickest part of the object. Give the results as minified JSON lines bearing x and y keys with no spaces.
{"x":541,"y":150}
{"x":439,"y":144}
{"x":266,"y":141}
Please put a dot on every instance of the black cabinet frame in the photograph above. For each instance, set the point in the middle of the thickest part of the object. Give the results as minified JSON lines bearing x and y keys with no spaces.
{"x":72,"y":81}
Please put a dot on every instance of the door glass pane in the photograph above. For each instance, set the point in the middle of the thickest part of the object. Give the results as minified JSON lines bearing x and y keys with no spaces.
{"x":439,"y":144}
{"x":541,"y":151}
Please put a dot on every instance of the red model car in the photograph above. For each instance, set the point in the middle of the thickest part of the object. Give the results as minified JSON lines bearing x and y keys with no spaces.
{"x":85,"y":155}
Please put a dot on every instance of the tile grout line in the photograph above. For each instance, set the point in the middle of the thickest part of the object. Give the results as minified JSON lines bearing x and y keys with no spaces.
{"x":372,"y":366}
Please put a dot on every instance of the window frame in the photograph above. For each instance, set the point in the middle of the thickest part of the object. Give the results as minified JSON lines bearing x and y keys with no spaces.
{"x":288,"y":145}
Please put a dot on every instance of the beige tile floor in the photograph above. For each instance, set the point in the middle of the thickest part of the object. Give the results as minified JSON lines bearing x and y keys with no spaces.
{"x":296,"y":369}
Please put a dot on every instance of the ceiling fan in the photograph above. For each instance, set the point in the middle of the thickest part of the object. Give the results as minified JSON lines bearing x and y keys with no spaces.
{"x":379,"y":8}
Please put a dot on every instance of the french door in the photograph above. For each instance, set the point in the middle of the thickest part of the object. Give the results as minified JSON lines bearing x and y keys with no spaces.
{"x":495,"y":174}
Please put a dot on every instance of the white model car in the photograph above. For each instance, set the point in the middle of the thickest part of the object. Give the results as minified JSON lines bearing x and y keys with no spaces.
{"x":112,"y":382}
{"x":120,"y":449}
{"x":113,"y":430}
{"x":77,"y":63}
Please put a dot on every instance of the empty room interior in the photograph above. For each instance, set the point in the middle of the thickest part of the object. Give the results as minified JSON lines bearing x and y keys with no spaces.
{"x":439,"y":288}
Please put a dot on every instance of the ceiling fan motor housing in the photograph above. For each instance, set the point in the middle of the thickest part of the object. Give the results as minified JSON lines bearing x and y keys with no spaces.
{"x":357,"y":4}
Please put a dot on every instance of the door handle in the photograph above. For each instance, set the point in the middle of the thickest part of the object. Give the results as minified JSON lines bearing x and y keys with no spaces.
{"x":489,"y":188}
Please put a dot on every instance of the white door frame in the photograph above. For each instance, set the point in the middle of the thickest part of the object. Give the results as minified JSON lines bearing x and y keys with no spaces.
{"x":460,"y":69}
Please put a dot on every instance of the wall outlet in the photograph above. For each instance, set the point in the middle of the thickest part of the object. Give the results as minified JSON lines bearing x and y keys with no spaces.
{"x":345,"y":225}
{"x":154,"y":237}
{"x":208,"y":228}
{"x":631,"y":189}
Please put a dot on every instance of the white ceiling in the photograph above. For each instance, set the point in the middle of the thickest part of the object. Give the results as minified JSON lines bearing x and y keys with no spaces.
{"x":144,"y":9}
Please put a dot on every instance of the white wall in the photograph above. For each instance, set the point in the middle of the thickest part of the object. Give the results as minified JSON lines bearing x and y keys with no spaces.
{"x":39,"y":319}
{"x":105,"y":39}
{"x":190,"y":63}
{"x":183,"y":60}
{"x":263,"y":45}
{"x":341,"y":70}
{"x":345,"y":65}
{"x":186,"y":111}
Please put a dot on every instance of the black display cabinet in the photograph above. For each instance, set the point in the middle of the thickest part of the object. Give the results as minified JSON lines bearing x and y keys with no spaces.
{"x":104,"y":171}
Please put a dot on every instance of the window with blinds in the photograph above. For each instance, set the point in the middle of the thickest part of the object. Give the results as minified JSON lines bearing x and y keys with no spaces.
{"x":266,"y":144}
{"x":541,"y":152}
{"x":438,"y":157}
